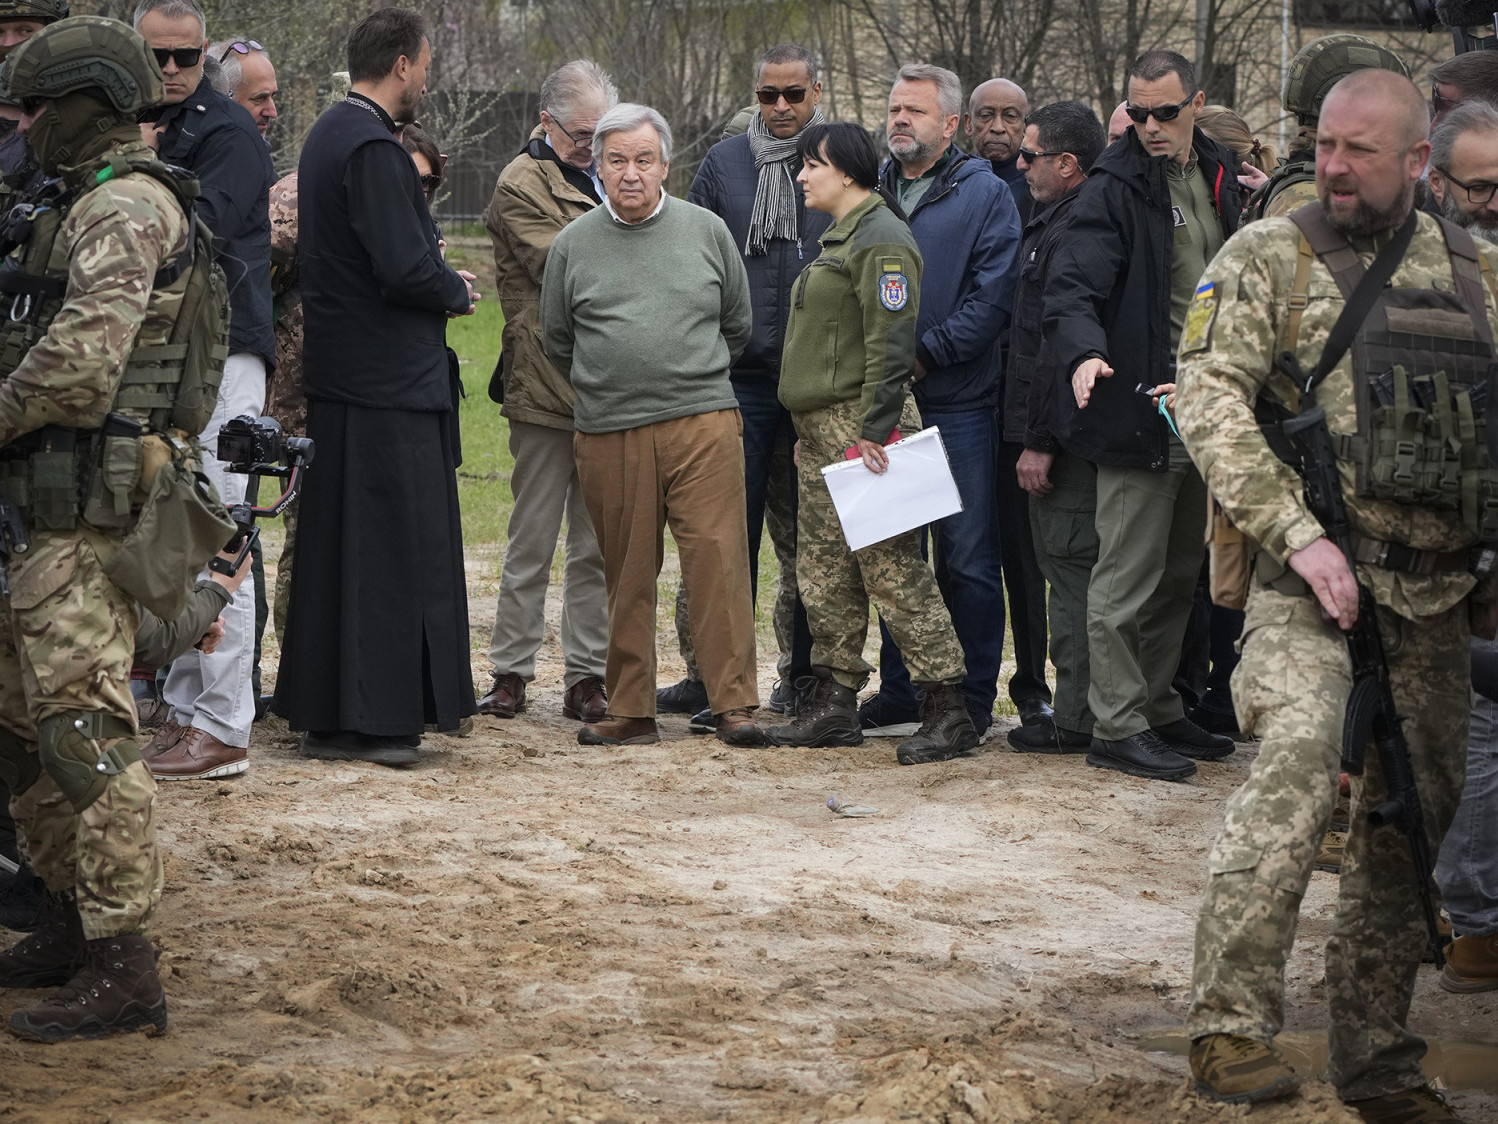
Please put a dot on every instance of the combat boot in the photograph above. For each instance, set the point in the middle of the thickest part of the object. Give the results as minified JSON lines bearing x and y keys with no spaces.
{"x":947,"y":728}
{"x":1239,"y":1070}
{"x":52,"y":955}
{"x":1471,"y":964}
{"x":827,"y":715}
{"x":1421,"y":1105}
{"x":117,"y":990}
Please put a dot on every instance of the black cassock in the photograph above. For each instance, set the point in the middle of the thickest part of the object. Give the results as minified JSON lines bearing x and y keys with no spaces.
{"x":377,"y":630}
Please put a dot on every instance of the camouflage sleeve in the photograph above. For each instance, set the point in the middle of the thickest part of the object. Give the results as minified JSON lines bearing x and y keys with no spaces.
{"x":1226,"y":357}
{"x":283,"y":234}
{"x":118,"y":235}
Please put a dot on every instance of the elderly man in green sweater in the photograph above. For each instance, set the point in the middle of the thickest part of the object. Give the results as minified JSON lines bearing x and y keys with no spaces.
{"x":644,"y":307}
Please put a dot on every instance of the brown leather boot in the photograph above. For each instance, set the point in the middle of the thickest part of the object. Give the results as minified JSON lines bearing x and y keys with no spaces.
{"x":52,"y":955}
{"x":613,"y":729}
{"x":117,"y":990}
{"x":506,"y":698}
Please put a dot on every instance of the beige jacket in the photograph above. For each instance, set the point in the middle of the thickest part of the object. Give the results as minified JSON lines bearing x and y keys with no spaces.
{"x":532,"y":203}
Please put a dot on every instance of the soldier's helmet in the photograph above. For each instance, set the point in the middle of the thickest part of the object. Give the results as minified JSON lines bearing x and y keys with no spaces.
{"x":91,"y":53}
{"x":1322,"y":63}
{"x":44,"y":10}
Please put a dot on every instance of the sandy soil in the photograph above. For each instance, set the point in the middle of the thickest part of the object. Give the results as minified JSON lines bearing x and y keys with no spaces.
{"x":525,"y":929}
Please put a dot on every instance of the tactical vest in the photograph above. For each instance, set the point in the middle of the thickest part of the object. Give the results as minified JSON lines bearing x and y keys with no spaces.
{"x":169,"y":385}
{"x":1422,"y":363}
{"x":1286,"y":175}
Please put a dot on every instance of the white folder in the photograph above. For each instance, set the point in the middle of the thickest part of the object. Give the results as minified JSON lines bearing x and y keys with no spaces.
{"x":916,"y":489}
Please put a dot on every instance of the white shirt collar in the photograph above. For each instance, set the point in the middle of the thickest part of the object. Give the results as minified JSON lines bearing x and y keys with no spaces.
{"x":624,"y":222}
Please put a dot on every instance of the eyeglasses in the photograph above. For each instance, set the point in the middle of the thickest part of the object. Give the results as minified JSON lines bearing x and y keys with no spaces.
{"x":769,"y":95}
{"x":1031,"y":157}
{"x":185,"y":57}
{"x":582,"y":140}
{"x":1140,"y":114}
{"x":431,"y":182}
{"x":1477,"y":193}
{"x":1438,"y":103}
{"x":239,"y":46}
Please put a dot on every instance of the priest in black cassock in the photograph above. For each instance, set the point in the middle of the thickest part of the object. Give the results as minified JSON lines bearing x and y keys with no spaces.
{"x":377,"y":634}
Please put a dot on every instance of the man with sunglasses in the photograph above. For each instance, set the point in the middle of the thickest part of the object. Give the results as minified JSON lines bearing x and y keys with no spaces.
{"x":1157,"y":206}
{"x":245,"y":73}
{"x":207,"y":732}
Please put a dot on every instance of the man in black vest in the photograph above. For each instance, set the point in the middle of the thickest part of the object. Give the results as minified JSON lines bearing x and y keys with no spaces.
{"x":377,"y":634}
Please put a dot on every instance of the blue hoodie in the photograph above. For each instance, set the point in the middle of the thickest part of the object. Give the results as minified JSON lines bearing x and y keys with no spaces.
{"x":968,"y":231}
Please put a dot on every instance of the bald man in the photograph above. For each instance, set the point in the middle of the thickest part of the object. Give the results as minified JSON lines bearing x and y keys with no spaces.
{"x":1292,"y":686}
{"x":995,"y":124}
{"x":1119,"y":123}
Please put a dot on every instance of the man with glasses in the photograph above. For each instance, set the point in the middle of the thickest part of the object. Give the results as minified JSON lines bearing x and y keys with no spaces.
{"x":749,"y":182}
{"x":1157,"y":206}
{"x":207,"y":732}
{"x":553,"y":181}
{"x":246,"y":75}
{"x":1464,"y":168}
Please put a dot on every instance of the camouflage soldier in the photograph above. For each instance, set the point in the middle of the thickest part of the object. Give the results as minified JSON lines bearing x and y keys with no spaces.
{"x":284,"y":399}
{"x":1267,"y":291}
{"x":72,"y":459}
{"x":1314,"y":70}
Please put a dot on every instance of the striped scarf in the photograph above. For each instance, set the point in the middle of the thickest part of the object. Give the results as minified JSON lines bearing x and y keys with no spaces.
{"x":775,"y":198}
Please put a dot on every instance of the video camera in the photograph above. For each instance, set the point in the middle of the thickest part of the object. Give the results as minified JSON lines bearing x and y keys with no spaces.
{"x":1474,"y":25}
{"x":256,"y":447}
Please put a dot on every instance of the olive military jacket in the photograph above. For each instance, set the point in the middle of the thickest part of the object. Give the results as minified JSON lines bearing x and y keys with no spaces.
{"x":533,"y":200}
{"x":853,"y":314}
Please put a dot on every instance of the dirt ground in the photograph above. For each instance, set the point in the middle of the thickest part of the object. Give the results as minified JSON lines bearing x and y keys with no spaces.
{"x":522,"y":928}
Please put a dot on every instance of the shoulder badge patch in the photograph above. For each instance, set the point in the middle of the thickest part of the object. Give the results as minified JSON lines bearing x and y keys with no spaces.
{"x":894,"y":291}
{"x":1197,"y":333}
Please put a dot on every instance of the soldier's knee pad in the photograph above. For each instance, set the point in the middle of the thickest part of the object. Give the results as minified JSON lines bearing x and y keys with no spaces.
{"x":19,"y":765}
{"x":75,"y":758}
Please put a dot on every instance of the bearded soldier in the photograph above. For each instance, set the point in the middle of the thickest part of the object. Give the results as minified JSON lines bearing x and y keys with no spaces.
{"x":106,"y":272}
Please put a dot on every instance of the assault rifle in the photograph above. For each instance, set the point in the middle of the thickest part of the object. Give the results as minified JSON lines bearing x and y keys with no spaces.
{"x":1371,"y":711}
{"x":12,"y":540}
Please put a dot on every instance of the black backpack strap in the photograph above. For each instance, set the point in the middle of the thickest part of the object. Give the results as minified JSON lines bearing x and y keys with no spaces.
{"x":1364,"y":295}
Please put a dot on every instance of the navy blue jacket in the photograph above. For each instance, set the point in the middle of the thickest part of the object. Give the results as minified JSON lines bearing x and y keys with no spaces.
{"x":1009,"y":171}
{"x":1108,"y":295}
{"x":968,"y":232}
{"x":725,"y":184}
{"x":215,"y":138}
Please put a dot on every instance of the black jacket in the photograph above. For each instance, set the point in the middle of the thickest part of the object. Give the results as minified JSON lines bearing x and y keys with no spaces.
{"x":1009,"y":171}
{"x":1031,"y":377}
{"x":374,"y":286}
{"x":725,"y":184}
{"x":214,"y":137}
{"x":1108,"y":295}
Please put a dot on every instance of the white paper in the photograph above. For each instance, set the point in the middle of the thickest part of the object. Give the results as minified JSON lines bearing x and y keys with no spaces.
{"x":916,"y":489}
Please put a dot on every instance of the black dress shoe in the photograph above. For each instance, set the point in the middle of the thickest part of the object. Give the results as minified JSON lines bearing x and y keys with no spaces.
{"x":1048,"y":738}
{"x":1190,"y":740}
{"x":347,"y":745}
{"x":1034,"y":712}
{"x":1142,"y":755}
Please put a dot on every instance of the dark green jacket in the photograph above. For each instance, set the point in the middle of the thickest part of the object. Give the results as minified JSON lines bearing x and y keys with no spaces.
{"x":851,"y":333}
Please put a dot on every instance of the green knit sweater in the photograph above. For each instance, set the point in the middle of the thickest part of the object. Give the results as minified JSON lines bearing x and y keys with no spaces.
{"x":644,"y":320}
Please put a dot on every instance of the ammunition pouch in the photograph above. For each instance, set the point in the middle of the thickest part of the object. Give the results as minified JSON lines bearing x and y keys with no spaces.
{"x":20,"y":765}
{"x":73,"y":756}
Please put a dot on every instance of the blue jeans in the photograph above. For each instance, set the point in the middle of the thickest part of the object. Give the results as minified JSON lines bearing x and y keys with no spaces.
{"x":968,"y":566}
{"x":1467,"y":867}
{"x":766,"y":424}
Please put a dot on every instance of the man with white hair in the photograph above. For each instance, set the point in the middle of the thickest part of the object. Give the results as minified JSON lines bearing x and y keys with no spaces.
{"x":549,"y":184}
{"x":658,"y":427}
{"x":245,"y":74}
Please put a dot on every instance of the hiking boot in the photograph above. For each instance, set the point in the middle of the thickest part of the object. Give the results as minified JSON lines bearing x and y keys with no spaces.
{"x":687,"y":697}
{"x":52,"y":955}
{"x":947,"y":731}
{"x":1329,"y":856}
{"x":506,"y":698}
{"x":1421,"y":1105}
{"x":1238,"y":1070}
{"x":879,"y":717}
{"x":613,"y":729}
{"x":783,"y":698}
{"x":828,"y":714}
{"x":1471,"y":964}
{"x":23,"y":898}
{"x":1143,"y":755}
{"x":1048,"y":738}
{"x":738,"y":727}
{"x":1190,"y":740}
{"x":117,"y":990}
{"x":587,"y":700}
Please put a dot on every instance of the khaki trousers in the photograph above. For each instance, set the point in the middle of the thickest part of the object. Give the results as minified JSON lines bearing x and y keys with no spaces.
{"x":688,"y":474}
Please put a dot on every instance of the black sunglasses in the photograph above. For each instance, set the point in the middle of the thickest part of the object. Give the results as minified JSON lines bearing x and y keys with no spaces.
{"x":1477,"y":193}
{"x":239,"y":46}
{"x":769,"y":95}
{"x":185,"y":57}
{"x":1031,"y":157}
{"x":431,"y":182}
{"x":1139,"y":114}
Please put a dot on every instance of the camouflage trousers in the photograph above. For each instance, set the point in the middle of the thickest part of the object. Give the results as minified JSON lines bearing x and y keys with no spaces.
{"x":780,"y":521}
{"x":66,"y":646}
{"x":1291,"y":690}
{"x":837,"y":584}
